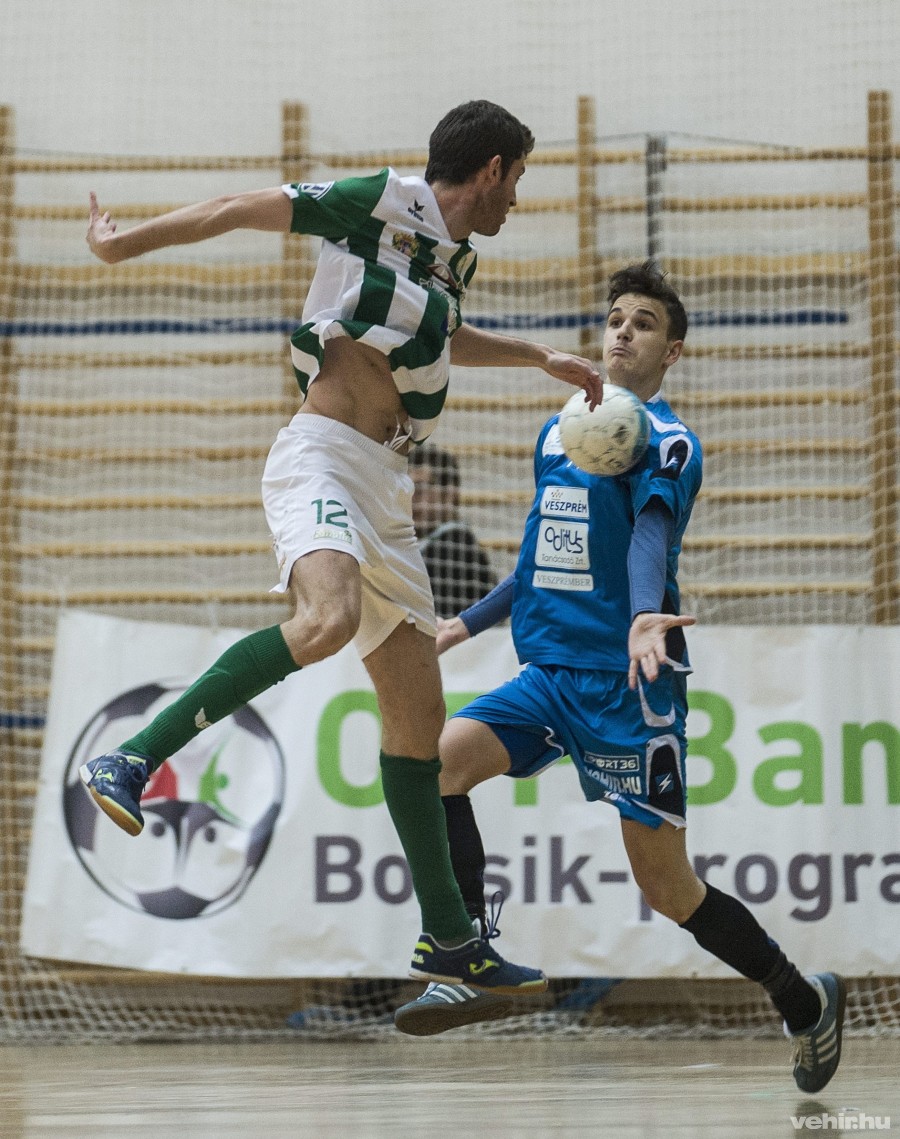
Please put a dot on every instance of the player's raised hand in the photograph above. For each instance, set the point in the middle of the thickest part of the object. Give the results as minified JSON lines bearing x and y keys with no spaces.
{"x":101,"y":229}
{"x":647,"y":643}
{"x":578,"y":371}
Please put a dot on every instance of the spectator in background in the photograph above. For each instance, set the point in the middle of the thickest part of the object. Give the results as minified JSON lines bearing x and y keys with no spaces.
{"x":459,"y":568}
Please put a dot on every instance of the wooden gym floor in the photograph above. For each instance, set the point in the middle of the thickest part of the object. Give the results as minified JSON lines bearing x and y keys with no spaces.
{"x":435,"y":1088}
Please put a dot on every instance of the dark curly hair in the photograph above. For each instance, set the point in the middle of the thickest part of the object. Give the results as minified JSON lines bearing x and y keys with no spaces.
{"x":469,"y":136}
{"x":647,"y":281}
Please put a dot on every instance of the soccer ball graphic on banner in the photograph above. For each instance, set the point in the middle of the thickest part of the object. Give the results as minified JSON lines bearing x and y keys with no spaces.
{"x":608,"y":440}
{"x":210,"y":810}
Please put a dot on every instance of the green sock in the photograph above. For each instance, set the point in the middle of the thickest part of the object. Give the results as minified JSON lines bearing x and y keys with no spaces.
{"x":414,"y":801}
{"x":241,"y":672}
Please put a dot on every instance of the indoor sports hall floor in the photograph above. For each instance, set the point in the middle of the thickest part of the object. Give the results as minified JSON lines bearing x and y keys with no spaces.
{"x":434,"y":1089}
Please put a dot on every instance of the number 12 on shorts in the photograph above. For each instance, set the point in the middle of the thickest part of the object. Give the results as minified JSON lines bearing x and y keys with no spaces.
{"x":327,"y":516}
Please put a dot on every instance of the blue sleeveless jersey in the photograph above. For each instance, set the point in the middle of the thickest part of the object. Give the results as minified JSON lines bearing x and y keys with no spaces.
{"x":571,"y":604}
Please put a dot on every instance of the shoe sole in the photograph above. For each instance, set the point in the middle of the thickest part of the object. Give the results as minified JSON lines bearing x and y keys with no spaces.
{"x":430,"y":1019}
{"x":110,"y":807}
{"x":841,"y":1007}
{"x":525,"y":989}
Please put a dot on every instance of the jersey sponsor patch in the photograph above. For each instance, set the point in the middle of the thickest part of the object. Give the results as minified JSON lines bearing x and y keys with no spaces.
{"x":565,"y":502}
{"x":341,"y":534}
{"x":562,"y":545}
{"x":618,"y":764}
{"x":547,"y":579}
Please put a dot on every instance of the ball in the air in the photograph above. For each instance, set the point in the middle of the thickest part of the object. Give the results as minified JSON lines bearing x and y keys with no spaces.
{"x":608,"y":440}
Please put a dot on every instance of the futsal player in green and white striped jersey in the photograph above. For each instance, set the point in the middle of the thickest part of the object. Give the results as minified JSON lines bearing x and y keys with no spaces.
{"x":381,"y":325}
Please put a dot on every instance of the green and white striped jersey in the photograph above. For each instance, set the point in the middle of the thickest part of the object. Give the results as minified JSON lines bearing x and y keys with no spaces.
{"x":389,"y":275}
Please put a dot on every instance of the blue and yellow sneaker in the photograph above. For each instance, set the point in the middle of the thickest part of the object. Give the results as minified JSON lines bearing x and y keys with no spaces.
{"x":474,"y":962}
{"x":817,"y":1052}
{"x":449,"y":1006}
{"x":116,"y":781}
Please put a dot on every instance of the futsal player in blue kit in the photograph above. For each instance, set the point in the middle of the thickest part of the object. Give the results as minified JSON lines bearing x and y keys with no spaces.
{"x":594,"y":603}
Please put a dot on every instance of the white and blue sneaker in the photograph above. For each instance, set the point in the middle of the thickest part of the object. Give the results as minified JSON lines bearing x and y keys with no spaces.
{"x":817,"y":1052}
{"x":449,"y":1006}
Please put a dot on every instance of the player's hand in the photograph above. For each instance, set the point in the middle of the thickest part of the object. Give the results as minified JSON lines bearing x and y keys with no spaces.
{"x":101,"y":230}
{"x":647,"y":643}
{"x":450,"y":632}
{"x":578,"y":371}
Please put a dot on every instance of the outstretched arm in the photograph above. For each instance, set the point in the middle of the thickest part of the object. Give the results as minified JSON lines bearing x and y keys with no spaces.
{"x":257,"y":209}
{"x":496,"y":606}
{"x":476,"y":348}
{"x":653,"y":534}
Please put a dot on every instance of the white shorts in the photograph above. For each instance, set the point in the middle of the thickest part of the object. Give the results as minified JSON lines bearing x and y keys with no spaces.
{"x":327,"y":487}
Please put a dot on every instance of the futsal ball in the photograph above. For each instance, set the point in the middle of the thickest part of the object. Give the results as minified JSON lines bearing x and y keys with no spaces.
{"x":608,"y":440}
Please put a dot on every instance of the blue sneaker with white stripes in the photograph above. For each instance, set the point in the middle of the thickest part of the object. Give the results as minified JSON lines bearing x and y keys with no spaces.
{"x":449,"y":1006}
{"x":817,"y":1052}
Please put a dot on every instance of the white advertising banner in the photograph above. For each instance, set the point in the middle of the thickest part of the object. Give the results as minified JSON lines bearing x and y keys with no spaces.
{"x":268,"y":851}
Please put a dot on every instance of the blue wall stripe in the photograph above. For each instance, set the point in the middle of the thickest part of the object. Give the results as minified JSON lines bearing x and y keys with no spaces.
{"x":10,"y":720}
{"x":512,"y":322}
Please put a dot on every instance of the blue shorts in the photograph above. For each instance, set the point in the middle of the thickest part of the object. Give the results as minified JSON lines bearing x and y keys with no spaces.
{"x":628,"y":746}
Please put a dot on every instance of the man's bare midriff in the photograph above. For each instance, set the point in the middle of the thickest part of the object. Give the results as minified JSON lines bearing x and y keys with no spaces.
{"x":355,"y":386}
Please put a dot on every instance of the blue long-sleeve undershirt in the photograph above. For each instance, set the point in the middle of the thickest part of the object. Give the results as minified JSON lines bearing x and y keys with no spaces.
{"x":495,"y":607}
{"x":654,"y":529}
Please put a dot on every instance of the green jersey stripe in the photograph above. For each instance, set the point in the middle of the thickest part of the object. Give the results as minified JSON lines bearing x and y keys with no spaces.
{"x":375,"y":295}
{"x":365,"y":241}
{"x":427,"y":347}
{"x":422,"y":406}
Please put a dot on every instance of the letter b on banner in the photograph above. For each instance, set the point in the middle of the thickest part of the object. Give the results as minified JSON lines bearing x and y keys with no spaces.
{"x":343,"y":869}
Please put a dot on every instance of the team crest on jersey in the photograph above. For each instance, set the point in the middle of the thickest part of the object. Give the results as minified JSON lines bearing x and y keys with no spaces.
{"x":406,"y":243}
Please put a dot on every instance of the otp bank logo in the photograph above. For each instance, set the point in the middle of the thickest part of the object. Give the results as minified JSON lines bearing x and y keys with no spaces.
{"x":209,"y":811}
